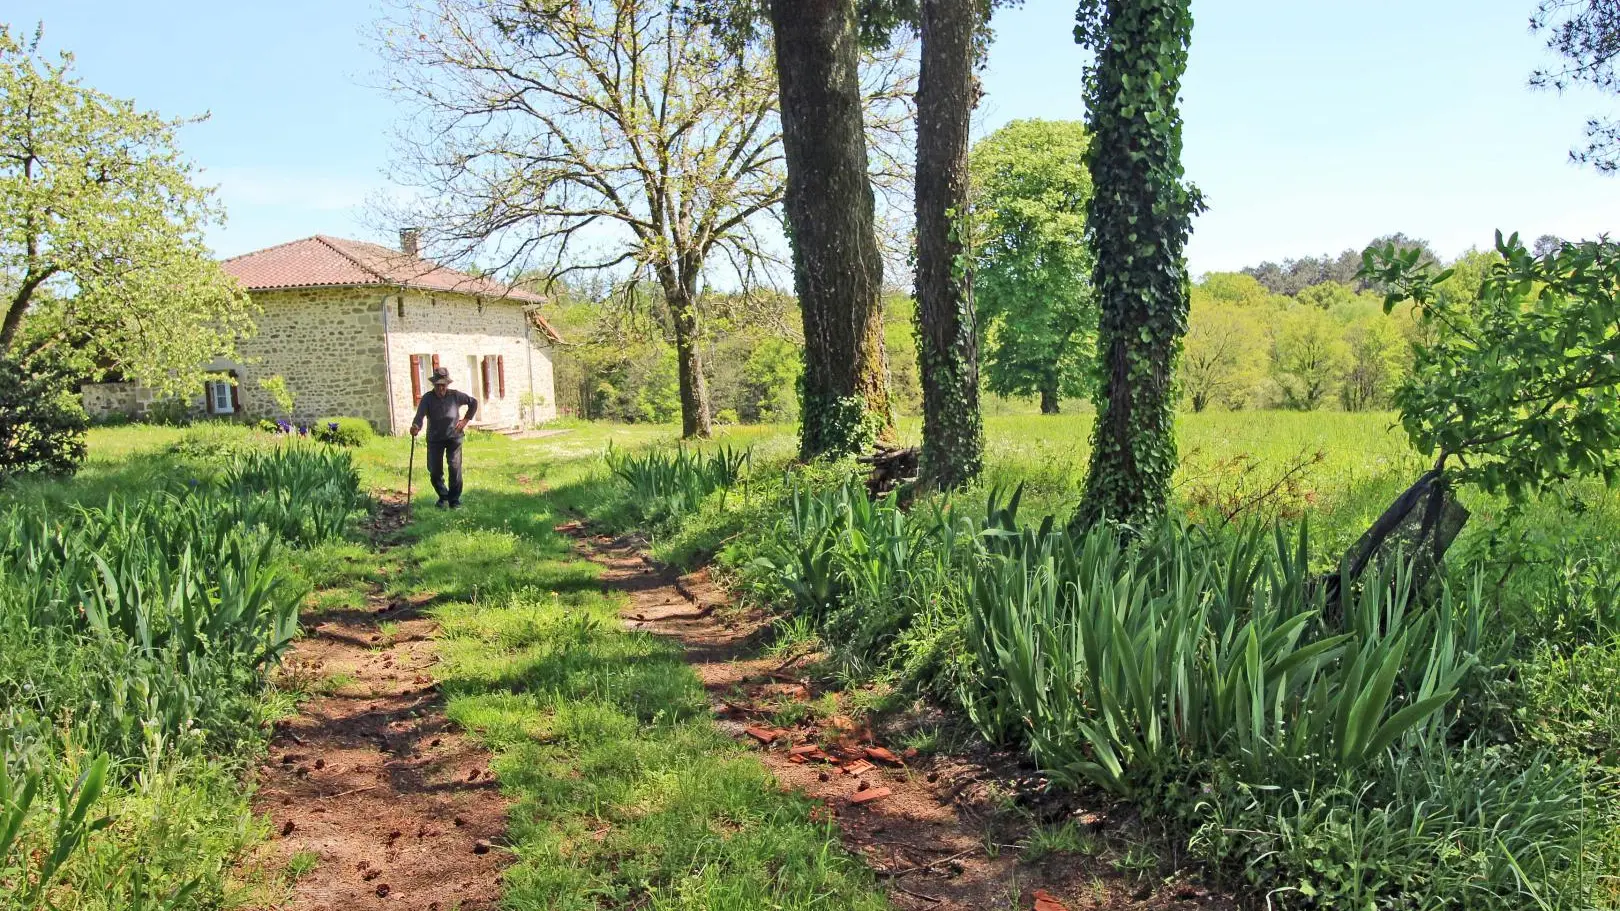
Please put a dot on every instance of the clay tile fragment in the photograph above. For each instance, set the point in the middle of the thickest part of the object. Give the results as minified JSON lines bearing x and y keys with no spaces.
{"x":869,"y":795}
{"x":1046,"y":901}
{"x":882,"y":755}
{"x":763,"y":735}
{"x":858,"y":767}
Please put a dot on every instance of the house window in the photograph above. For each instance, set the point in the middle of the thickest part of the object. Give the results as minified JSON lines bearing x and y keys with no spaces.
{"x":221,"y":396}
{"x":421,"y":366}
{"x":472,"y":373}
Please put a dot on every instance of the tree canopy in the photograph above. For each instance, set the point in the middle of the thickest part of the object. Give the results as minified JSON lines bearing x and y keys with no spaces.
{"x":1032,"y":273}
{"x":605,"y":135}
{"x":102,"y":261}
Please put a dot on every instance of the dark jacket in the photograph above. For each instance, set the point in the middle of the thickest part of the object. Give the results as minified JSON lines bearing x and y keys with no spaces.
{"x":442,"y":413}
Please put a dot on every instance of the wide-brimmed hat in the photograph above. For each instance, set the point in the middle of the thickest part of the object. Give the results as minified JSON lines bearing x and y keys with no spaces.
{"x":439,"y":375}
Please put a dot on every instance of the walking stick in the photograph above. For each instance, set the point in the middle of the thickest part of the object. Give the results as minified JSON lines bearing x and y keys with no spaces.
{"x":410,"y":476}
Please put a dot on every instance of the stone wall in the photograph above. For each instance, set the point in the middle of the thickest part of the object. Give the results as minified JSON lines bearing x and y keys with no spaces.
{"x":327,"y":343}
{"x":462,"y":331}
{"x":106,"y":400}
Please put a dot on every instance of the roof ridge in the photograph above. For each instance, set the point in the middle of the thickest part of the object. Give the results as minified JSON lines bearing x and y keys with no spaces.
{"x":335,"y":248}
{"x":289,"y":243}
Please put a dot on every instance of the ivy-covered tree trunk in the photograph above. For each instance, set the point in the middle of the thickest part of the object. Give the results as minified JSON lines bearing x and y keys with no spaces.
{"x":947,"y":337}
{"x":1140,"y":216}
{"x":837,"y":269}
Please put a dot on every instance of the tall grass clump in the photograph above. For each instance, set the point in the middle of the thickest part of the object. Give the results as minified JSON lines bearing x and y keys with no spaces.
{"x":663,"y":484}
{"x":135,"y":640}
{"x":1315,"y":748}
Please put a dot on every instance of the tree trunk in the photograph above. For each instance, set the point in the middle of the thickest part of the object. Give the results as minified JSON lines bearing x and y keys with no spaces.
{"x":680,"y":293}
{"x":947,"y":339}
{"x":1139,"y":219}
{"x":837,"y":269}
{"x":1049,"y":397}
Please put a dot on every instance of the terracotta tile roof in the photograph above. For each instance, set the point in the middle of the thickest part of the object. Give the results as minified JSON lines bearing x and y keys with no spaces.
{"x":324,"y":262}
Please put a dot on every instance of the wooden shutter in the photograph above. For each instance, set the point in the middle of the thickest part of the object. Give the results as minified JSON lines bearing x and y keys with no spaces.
{"x":236,"y":400}
{"x":435,"y":362}
{"x":483,"y":370}
{"x":500,"y":372}
{"x":416,"y":378}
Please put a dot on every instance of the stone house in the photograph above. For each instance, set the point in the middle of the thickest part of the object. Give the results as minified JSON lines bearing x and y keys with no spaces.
{"x":354,"y":329}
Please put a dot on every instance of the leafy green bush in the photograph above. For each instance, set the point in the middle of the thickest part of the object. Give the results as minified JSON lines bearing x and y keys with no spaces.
{"x":42,"y":424}
{"x":343,"y":431}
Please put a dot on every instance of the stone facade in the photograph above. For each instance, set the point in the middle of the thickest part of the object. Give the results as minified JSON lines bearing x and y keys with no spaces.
{"x":463,"y":331}
{"x":327,"y":343}
{"x":346,"y":352}
{"x":107,"y":400}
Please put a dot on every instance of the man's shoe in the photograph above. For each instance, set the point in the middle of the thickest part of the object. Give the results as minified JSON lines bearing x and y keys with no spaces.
{"x":455,"y":504}
{"x":443,"y":503}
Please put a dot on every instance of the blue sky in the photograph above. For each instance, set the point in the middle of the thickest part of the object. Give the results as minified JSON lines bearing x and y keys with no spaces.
{"x":1312,"y":125}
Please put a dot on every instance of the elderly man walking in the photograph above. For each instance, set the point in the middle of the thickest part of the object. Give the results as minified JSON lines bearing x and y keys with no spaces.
{"x":441,"y":409}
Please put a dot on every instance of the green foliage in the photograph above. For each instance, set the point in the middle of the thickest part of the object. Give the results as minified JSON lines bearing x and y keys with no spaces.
{"x":1139,"y":218}
{"x":42,"y":424}
{"x":664,"y":484}
{"x":1218,"y":363}
{"x":275,"y":386}
{"x":1308,"y":354}
{"x":141,"y":629}
{"x":1126,"y":664}
{"x":1516,"y":387}
{"x":1032,"y":270}
{"x":101,"y":234}
{"x":343,"y":431}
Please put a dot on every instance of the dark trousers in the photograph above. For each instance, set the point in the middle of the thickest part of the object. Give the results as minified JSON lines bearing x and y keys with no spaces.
{"x":437,"y":452}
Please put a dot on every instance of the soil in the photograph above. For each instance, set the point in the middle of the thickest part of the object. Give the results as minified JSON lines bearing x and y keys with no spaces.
{"x":937,"y":830}
{"x":401,"y":807}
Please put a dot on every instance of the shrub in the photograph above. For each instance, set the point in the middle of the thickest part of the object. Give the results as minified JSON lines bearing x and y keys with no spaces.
{"x":42,"y":424}
{"x":343,"y":431}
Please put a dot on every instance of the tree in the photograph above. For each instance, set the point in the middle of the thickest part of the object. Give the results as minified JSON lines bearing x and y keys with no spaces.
{"x":1220,"y":360}
{"x":1032,"y":272}
{"x":597,"y":134}
{"x":1586,"y":33}
{"x":1377,"y":355}
{"x":837,"y":267}
{"x":1237,"y":288}
{"x":102,"y":261}
{"x":1545,"y":405}
{"x":1546,"y":243}
{"x":947,"y":331}
{"x":1308,"y":354}
{"x":1139,"y":218}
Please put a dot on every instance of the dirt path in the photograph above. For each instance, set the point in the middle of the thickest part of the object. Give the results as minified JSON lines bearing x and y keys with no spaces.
{"x":397,"y":807}
{"x":934,"y":829}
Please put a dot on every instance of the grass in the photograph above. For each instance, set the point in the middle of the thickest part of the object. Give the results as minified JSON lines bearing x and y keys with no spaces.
{"x":624,"y":793}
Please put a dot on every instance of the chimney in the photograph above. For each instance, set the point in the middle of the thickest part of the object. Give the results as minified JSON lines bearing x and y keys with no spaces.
{"x":408,"y":238}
